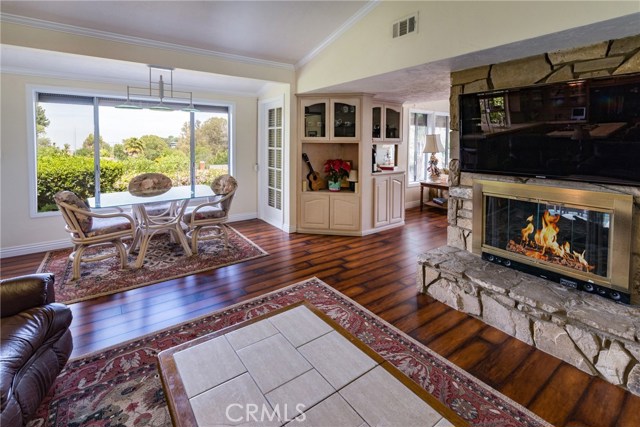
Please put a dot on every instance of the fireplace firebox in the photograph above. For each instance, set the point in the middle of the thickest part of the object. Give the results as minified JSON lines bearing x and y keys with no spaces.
{"x":578,"y":238}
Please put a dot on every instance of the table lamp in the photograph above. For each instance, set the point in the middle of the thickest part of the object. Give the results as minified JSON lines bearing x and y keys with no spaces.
{"x":433,"y":146}
{"x":353,"y":178}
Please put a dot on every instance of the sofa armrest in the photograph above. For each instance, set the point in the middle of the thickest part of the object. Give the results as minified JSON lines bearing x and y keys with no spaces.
{"x":21,"y":293}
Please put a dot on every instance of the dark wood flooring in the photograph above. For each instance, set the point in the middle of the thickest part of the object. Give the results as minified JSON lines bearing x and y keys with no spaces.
{"x":379,"y":272}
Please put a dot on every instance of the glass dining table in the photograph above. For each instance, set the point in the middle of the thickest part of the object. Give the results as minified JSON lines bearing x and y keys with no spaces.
{"x":147,"y":225}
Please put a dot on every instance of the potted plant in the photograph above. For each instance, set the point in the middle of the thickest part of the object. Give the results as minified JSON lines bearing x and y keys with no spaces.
{"x":336,"y":170}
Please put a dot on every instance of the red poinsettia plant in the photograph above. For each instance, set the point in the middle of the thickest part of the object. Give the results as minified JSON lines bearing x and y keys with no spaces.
{"x":336,"y":169}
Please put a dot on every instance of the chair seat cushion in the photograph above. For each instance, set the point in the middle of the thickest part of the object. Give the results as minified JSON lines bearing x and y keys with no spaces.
{"x":207,"y":212}
{"x":103,"y":226}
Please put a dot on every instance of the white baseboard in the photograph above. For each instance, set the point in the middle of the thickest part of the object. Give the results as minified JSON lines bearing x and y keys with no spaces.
{"x":288,"y":228}
{"x":35,"y":248}
{"x":243,"y":216}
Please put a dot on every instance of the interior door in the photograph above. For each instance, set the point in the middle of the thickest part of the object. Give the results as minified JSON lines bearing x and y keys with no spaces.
{"x":271,"y":182}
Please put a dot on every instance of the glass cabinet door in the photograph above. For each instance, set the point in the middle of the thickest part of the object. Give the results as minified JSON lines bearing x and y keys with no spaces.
{"x":345,"y":119}
{"x":315,"y":118}
{"x":387,"y":122}
{"x":393,"y":124}
{"x":377,"y":122}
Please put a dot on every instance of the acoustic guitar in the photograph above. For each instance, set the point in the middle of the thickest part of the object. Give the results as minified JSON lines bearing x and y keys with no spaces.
{"x":315,"y":181}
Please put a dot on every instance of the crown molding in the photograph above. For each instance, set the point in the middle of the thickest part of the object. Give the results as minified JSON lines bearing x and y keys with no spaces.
{"x":104,"y":35}
{"x":339,"y":32}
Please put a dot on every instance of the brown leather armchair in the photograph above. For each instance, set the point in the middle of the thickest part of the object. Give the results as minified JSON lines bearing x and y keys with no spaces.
{"x":35,"y":344}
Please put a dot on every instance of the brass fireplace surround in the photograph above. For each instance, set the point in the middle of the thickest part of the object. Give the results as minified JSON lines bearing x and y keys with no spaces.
{"x":620,"y":206}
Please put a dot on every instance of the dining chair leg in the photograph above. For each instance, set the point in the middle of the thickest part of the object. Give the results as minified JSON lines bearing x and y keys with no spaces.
{"x":76,"y":257}
{"x":223,"y":227}
{"x":122,"y":252}
{"x":179,"y":233}
{"x":194,"y":240}
{"x":144,"y":244}
{"x":135,"y":242}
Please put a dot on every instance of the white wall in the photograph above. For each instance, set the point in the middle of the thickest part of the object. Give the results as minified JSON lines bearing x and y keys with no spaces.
{"x":20,"y":233}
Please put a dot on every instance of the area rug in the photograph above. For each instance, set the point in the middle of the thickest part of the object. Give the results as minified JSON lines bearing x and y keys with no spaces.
{"x":164,"y":260}
{"x":120,"y":386}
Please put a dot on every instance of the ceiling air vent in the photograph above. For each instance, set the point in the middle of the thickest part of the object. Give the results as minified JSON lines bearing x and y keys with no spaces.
{"x":405,"y":26}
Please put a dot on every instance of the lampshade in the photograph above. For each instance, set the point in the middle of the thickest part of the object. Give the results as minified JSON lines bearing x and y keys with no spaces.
{"x":353,"y":176}
{"x":433,"y":145}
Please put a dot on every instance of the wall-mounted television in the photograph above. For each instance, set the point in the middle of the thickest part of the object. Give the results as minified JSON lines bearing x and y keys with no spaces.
{"x":584,"y":130}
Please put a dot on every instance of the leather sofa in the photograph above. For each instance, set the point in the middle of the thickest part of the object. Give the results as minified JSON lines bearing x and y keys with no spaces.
{"x":35,"y":344}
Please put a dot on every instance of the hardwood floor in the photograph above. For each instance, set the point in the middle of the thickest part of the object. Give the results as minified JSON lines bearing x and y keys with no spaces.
{"x":379,"y":272}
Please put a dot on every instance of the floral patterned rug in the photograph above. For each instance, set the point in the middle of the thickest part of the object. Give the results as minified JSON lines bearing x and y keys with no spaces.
{"x":120,"y":386}
{"x":164,"y":260}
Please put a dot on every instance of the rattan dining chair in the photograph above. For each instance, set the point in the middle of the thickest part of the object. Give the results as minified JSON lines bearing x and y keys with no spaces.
{"x":89,"y":228}
{"x":154,"y":218}
{"x":212,"y":215}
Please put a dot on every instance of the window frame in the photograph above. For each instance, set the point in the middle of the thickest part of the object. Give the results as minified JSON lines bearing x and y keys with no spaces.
{"x":431,"y":125}
{"x":32,"y":92}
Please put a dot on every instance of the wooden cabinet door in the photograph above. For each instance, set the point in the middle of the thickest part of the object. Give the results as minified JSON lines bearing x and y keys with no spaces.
{"x":345,"y":212}
{"x":396,"y":206}
{"x":380,"y":201}
{"x":314,"y":210}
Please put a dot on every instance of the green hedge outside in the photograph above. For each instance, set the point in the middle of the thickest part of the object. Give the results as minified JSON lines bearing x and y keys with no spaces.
{"x":75,"y":173}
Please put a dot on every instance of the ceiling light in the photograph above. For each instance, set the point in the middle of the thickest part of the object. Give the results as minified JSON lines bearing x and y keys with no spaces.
{"x":159,"y":90}
{"x":128,"y":104}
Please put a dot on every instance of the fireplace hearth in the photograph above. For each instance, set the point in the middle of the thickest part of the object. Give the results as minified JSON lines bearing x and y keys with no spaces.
{"x":578,"y":238}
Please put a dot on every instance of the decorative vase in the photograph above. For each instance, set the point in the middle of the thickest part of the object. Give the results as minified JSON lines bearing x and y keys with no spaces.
{"x":334,"y":185}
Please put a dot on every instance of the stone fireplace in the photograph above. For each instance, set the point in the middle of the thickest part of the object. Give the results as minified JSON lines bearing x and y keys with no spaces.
{"x":595,"y":334}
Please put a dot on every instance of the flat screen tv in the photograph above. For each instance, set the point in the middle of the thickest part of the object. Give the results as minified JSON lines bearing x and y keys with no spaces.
{"x":584,"y":130}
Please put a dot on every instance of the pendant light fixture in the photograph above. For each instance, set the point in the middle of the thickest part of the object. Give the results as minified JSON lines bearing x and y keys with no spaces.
{"x":159,"y":90}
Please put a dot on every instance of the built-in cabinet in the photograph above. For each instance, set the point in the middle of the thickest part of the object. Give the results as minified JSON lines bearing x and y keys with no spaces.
{"x":386,"y":122}
{"x":339,"y":127}
{"x":326,"y":211}
{"x":388,"y":199}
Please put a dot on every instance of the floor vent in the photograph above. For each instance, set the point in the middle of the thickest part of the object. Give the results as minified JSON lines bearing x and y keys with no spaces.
{"x":405,"y":26}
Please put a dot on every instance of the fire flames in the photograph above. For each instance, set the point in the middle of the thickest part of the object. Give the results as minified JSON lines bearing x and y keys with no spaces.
{"x":545,"y":246}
